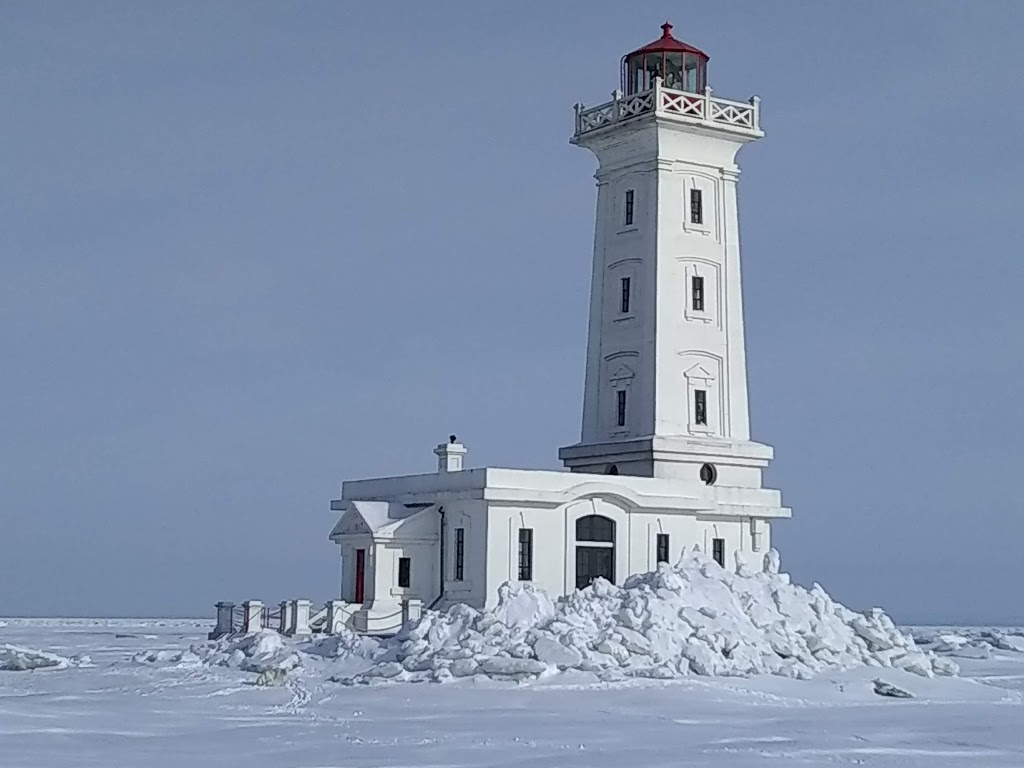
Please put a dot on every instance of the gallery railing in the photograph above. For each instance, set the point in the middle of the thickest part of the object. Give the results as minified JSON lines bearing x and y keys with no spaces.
{"x":744,"y":117}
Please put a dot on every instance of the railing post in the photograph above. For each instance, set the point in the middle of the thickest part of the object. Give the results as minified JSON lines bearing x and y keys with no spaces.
{"x":300,"y":617}
{"x":657,"y":94}
{"x":412,"y":610}
{"x":225,"y":620}
{"x":338,"y":614}
{"x":707,"y":103}
{"x":616,"y":97}
{"x":755,"y":102}
{"x":579,"y":123}
{"x":253,"y":618}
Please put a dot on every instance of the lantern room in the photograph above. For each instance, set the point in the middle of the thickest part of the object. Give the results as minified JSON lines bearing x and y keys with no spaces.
{"x":681,"y":67}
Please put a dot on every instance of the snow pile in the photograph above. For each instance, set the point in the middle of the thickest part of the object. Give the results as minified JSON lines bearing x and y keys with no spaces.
{"x":266,"y":651}
{"x":14,"y":658}
{"x":253,"y":652}
{"x":342,"y":645}
{"x":691,"y":618}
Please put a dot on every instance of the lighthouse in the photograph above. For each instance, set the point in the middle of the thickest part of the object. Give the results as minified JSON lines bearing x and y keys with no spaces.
{"x":666,"y":377}
{"x":665,"y":463}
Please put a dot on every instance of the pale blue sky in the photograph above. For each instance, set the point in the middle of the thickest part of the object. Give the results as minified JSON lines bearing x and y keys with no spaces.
{"x":250,"y":249}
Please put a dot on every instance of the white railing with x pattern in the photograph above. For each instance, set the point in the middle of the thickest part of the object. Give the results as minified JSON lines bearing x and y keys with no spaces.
{"x":697,"y":107}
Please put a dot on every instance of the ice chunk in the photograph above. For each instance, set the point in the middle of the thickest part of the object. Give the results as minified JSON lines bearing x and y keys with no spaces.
{"x":14,"y":658}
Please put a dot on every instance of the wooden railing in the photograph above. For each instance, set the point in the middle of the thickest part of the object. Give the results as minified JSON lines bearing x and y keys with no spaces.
{"x":703,"y":108}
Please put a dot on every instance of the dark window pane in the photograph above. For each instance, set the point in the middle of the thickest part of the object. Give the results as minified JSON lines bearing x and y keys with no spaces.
{"x":624,"y":299}
{"x":460,"y":553}
{"x":696,"y":206}
{"x":526,"y":554}
{"x":700,"y":406}
{"x":595,"y":528}
{"x":620,"y":408}
{"x":404,"y":571}
{"x":697,"y":293}
{"x":718,"y":551}
{"x":629,"y":206}
{"x":662,"y":547}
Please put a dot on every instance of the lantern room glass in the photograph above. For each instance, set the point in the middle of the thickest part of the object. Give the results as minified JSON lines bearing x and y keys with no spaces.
{"x":679,"y":70}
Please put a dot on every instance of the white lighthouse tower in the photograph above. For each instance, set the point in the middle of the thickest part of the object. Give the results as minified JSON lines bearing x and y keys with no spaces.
{"x":666,"y":377}
{"x":665,"y":463}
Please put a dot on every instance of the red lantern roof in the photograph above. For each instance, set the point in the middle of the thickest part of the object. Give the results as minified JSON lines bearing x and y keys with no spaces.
{"x":667,"y":43}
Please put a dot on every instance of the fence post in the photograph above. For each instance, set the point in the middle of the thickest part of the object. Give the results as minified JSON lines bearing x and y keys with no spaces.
{"x":337,"y":616}
{"x":412,"y":609}
{"x":284,"y":619}
{"x":300,"y":617}
{"x":755,"y":102}
{"x":253,"y":619}
{"x":225,"y":620}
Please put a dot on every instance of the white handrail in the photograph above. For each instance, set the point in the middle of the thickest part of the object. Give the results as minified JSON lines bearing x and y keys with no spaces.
{"x":744,"y":116}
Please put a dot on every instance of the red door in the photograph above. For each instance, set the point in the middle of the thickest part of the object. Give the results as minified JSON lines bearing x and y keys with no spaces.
{"x":360,"y":567}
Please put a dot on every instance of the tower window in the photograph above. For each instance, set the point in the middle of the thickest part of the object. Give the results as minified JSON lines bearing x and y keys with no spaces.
{"x":629,"y":207}
{"x":662,"y":546}
{"x":700,"y":406}
{"x":708,"y":474}
{"x":460,"y":553}
{"x":624,"y":300}
{"x":526,"y":554}
{"x":404,"y":571}
{"x":696,"y":206}
{"x":718,"y":551}
{"x":697,"y":293}
{"x":620,"y":408}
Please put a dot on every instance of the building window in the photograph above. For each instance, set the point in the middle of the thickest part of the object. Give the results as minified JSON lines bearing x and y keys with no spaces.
{"x":718,"y":551}
{"x":620,"y":408}
{"x":404,"y":571}
{"x":696,"y":206}
{"x":700,"y":406}
{"x":629,"y":207}
{"x":624,"y":300}
{"x":708,"y":474}
{"x":526,"y":554}
{"x":460,"y":553}
{"x":595,"y":528}
{"x":662,"y":547}
{"x":697,"y":293}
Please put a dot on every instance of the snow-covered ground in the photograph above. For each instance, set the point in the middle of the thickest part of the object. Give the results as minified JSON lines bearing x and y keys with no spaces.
{"x":109,"y":706}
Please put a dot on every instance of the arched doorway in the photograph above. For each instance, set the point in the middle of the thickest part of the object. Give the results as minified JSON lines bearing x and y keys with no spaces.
{"x":595,"y":549}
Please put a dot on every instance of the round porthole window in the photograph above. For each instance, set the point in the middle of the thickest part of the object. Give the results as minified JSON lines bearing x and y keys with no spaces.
{"x":708,"y":474}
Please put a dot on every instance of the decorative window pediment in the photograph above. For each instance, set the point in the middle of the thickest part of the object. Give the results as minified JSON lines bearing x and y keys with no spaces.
{"x":699,"y":373}
{"x":623,"y":374}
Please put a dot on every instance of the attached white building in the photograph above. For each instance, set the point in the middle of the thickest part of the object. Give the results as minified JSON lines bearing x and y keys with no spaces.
{"x":665,"y":461}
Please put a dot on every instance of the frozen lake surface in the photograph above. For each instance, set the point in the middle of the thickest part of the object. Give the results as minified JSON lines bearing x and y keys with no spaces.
{"x":118,"y":712}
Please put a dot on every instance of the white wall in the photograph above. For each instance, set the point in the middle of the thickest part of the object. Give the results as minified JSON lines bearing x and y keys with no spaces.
{"x":471,"y":516}
{"x":554,"y":541}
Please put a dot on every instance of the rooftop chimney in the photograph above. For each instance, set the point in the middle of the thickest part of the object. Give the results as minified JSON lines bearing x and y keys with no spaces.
{"x":450,"y":455}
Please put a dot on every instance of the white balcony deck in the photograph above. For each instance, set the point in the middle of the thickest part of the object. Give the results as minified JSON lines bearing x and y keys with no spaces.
{"x":696,"y":108}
